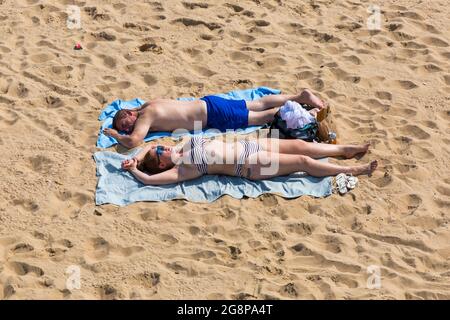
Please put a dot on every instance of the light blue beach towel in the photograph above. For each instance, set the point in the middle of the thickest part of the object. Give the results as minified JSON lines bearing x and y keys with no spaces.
{"x":119,"y":187}
{"x":108,"y":113}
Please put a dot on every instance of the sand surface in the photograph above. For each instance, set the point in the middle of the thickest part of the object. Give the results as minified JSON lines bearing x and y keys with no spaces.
{"x":390,"y":87}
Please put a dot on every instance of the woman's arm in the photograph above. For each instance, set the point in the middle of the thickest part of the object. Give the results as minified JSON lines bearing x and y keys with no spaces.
{"x":140,"y":156}
{"x":174,"y":175}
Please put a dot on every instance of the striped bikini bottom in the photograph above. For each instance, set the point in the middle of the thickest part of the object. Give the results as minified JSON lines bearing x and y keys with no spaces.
{"x":250,"y":147}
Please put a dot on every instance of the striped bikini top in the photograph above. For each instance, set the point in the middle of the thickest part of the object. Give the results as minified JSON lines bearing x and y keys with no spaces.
{"x":198,"y":154}
{"x":199,"y":157}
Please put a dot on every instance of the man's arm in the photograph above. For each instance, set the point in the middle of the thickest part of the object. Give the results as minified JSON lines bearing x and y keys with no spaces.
{"x":136,"y":137}
{"x":126,"y":140}
{"x":140,"y":130}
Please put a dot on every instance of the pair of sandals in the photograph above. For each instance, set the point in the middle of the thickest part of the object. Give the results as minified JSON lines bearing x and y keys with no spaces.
{"x":345,"y":183}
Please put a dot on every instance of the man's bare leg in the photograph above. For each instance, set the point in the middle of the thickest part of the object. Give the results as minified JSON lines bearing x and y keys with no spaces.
{"x":260,"y":118}
{"x":277,"y":100}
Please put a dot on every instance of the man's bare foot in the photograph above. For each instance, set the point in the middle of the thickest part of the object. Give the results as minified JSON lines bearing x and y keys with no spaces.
{"x":314,"y":112}
{"x":365,"y":169}
{"x":352,"y":150}
{"x":308,"y":97}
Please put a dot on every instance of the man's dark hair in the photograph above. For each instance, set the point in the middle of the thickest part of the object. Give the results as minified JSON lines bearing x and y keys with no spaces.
{"x":119,"y":115}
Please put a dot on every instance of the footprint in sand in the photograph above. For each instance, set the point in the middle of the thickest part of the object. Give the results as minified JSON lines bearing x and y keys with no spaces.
{"x":108,"y":61}
{"x":235,"y":7}
{"x":23,"y":268}
{"x":406,"y":84}
{"x":415,"y":131}
{"x":347,"y":281}
{"x":316,"y":84}
{"x":151,"y":47}
{"x":383,"y":181}
{"x":289,"y":290}
{"x":447,"y":80}
{"x":108,"y":292}
{"x":411,"y":202}
{"x":28,"y":205}
{"x":156,"y":6}
{"x":56,"y":254}
{"x":41,"y":163}
{"x":149,"y":80}
{"x":237,"y":56}
{"x":443,"y":190}
{"x":353,"y":59}
{"x":99,"y":249}
{"x":422,"y":153}
{"x":92,"y":12}
{"x":22,"y":248}
{"x":18,"y":90}
{"x":383,"y":95}
{"x":168,"y":239}
{"x":304,"y":75}
{"x":203,"y":254}
{"x":114,"y":86}
{"x":192,"y":5}
{"x":246,"y":38}
{"x":434,"y":41}
{"x":43,"y":57}
{"x":208,"y":37}
{"x":192,"y":23}
{"x":131,"y":68}
{"x":377,"y":105}
{"x":300,"y":228}
{"x":80,"y":198}
{"x":149,"y":279}
{"x":103,"y":36}
{"x":203,"y":71}
{"x":258,"y":23}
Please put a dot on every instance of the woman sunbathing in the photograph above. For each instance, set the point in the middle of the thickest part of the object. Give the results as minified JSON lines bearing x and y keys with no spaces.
{"x":254,"y":160}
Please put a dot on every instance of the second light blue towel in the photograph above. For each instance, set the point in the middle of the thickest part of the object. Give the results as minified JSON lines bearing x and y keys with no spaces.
{"x":119,"y":187}
{"x":108,"y":113}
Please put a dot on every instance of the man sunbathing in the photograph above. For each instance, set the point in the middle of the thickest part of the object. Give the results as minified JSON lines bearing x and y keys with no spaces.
{"x":210,"y":111}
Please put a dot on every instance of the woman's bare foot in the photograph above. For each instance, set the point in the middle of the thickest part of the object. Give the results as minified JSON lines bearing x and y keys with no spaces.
{"x":309,"y":98}
{"x":365,"y":169}
{"x":352,"y":150}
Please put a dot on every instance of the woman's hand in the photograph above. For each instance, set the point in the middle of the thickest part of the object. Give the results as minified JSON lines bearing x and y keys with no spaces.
{"x":129,"y":164}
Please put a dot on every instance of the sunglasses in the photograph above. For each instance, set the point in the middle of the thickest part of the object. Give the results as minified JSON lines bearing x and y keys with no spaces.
{"x":159,"y":152}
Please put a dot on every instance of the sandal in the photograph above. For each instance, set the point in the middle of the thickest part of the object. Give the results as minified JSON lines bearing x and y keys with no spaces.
{"x":341,"y":182}
{"x":352,"y":182}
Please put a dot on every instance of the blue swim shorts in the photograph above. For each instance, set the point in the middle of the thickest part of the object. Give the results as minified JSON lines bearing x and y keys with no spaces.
{"x":226,"y":114}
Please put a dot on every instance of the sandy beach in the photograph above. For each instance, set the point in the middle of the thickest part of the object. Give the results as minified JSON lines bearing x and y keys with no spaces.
{"x":389,"y":87}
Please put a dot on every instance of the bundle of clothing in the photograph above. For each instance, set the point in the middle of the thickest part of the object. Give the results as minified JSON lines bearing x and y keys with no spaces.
{"x":295,"y":115}
{"x":294,"y":121}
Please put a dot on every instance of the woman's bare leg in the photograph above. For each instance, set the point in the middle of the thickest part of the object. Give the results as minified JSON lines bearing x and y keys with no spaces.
{"x":311,"y":149}
{"x":265,"y":165}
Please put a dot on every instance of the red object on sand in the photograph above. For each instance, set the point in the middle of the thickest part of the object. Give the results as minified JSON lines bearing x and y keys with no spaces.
{"x":78,"y":47}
